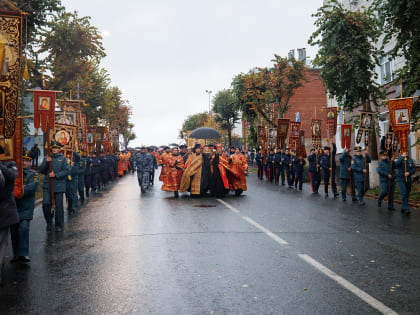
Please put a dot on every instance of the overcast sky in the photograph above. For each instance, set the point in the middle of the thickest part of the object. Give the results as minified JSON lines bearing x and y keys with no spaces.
{"x":164,"y":54}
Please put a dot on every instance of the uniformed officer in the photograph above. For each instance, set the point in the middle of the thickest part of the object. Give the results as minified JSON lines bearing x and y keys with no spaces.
{"x":405,"y":168}
{"x":87,"y":175}
{"x":314,"y":170}
{"x":59,"y":173}
{"x":278,"y":166}
{"x":346,"y":175}
{"x":95,"y":177}
{"x":155,"y":164}
{"x":270,"y":166}
{"x":386,"y":171}
{"x":25,"y":207}
{"x":259,"y":159}
{"x":103,"y":171}
{"x":359,"y":167}
{"x":328,"y":165}
{"x":72,"y":184}
{"x":288,"y":166}
{"x":81,"y":177}
{"x":298,"y":166}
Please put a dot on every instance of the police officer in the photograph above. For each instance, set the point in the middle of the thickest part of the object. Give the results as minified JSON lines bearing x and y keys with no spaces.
{"x":405,"y":168}
{"x":298,"y":166}
{"x":314,"y":170}
{"x":278,"y":165}
{"x":25,"y":207}
{"x":346,"y":175}
{"x":270,"y":166}
{"x":103,"y":171}
{"x":87,"y":175}
{"x":359,"y":167}
{"x":60,"y":171}
{"x":327,"y":163}
{"x":144,"y":164}
{"x":288,"y":166}
{"x":259,"y":159}
{"x":386,"y":171}
{"x":95,"y":175}
{"x":8,"y":212}
{"x":72,"y":184}
{"x":155,"y":164}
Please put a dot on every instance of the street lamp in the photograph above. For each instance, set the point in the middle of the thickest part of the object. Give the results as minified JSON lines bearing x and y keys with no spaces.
{"x":209,"y":93}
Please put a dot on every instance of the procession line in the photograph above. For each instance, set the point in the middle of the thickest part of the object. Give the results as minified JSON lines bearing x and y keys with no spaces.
{"x":349,"y":286}
{"x":265,"y":231}
{"x":228,"y":205}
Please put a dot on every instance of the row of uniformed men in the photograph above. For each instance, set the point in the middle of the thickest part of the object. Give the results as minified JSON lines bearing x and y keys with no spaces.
{"x":354,"y":172}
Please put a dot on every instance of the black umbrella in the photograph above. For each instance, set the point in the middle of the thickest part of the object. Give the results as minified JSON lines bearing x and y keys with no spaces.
{"x":173,"y":145}
{"x":205,"y":133}
{"x":153,"y":147}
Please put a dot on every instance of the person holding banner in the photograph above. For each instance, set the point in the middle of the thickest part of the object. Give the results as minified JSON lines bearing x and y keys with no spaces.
{"x":359,"y":167}
{"x":60,"y":169}
{"x":327,"y":163}
{"x":386,"y":171}
{"x":287,"y":162}
{"x":405,"y":167}
{"x":298,"y":165}
{"x":346,"y":175}
{"x":259,"y":159}
{"x":314,"y":170}
{"x":270,"y":166}
{"x":279,"y":168}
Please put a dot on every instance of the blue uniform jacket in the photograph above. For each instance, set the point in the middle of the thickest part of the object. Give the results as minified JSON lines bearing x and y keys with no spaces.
{"x":384,"y":169}
{"x":26,"y":204}
{"x":60,"y":168}
{"x":404,"y":165}
{"x":357,"y":166}
{"x":345,"y":163}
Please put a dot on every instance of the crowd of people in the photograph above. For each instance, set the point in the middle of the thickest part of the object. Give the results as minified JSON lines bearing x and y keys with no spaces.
{"x":288,"y":167}
{"x":208,"y":171}
{"x":72,"y":180}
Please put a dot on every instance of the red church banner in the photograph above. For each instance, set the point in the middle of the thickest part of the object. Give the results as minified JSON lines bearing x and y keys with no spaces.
{"x":331,"y":121}
{"x":282,"y":131}
{"x":400,"y":117}
{"x":346,"y":135}
{"x":316,"y":133}
{"x":294,"y":134}
{"x":44,"y":109}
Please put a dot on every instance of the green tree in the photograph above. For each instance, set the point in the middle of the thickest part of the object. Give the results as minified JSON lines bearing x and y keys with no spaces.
{"x":71,"y":44}
{"x":347,"y":56}
{"x":226,"y":108}
{"x":193,"y":122}
{"x":400,"y":22}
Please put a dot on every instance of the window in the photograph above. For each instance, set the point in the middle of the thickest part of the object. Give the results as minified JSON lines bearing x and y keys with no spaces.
{"x":387,"y":67}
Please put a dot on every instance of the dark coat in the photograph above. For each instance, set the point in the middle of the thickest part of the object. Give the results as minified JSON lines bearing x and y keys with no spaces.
{"x":95,"y":165}
{"x":8,"y":212}
{"x":345,"y":163}
{"x":357,"y":166}
{"x":313,"y":162}
{"x":259,"y":159}
{"x":26,"y":204}
{"x":404,"y":165}
{"x":325,"y":160}
{"x":297,"y":166}
{"x":143,"y":162}
{"x":278,"y":159}
{"x":384,"y":169}
{"x":61,"y":170}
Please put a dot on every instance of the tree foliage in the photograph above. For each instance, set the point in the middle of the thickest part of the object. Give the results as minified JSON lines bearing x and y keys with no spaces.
{"x":400,"y":21}
{"x":70,"y":44}
{"x":226,"y":109}
{"x":193,"y":122}
{"x":347,"y":54}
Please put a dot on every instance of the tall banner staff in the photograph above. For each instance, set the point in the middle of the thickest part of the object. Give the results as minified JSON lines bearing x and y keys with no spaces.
{"x":346,"y":132}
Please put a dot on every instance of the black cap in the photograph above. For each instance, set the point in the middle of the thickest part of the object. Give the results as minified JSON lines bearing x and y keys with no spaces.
{"x":327,"y":148}
{"x":27,"y":155}
{"x":382,"y":153}
{"x":358,"y":148}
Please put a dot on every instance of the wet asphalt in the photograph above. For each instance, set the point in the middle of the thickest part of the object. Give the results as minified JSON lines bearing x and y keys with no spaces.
{"x":127,"y":253}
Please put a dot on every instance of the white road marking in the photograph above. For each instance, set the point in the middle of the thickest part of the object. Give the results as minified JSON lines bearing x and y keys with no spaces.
{"x":228,"y":205}
{"x":349,"y":286}
{"x":264,"y":230}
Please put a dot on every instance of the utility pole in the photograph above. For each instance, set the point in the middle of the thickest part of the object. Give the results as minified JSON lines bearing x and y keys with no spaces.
{"x":209,"y":93}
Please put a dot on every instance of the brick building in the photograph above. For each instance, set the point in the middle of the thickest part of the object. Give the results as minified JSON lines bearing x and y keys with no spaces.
{"x":308,"y":100}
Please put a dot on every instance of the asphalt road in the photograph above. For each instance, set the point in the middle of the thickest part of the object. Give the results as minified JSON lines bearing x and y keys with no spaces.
{"x":270,"y":251}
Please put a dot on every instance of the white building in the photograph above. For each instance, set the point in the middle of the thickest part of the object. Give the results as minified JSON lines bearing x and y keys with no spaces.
{"x":385,"y":75}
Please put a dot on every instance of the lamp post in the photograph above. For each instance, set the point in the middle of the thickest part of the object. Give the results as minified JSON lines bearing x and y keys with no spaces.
{"x":209,"y":93}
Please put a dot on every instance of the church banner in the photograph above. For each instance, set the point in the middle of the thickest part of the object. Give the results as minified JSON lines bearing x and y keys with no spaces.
{"x":365,"y":126}
{"x":346,"y":130}
{"x":13,"y":149}
{"x":301,"y":144}
{"x":262,"y":139}
{"x":282,"y":131}
{"x":316,"y":133}
{"x":294,"y":134}
{"x":100,"y":133}
{"x":44,"y":109}
{"x":331,"y":121}
{"x":400,"y":117}
{"x":10,"y":69}
{"x":65,"y":135}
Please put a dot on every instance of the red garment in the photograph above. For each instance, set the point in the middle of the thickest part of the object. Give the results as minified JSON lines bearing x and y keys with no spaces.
{"x":174,"y":170}
{"x":239,"y":166}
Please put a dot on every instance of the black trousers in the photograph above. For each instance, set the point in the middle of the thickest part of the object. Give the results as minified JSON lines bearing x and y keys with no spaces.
{"x":315,"y":180}
{"x":59,"y":209}
{"x":327,"y":181}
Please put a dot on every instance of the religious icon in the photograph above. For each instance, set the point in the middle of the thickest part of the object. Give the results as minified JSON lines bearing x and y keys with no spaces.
{"x":89,"y":137}
{"x":44,"y":103}
{"x":346,"y":132}
{"x":316,"y":129}
{"x":366,"y":121}
{"x":7,"y":145}
{"x":401,"y":116}
{"x":331,"y":115}
{"x":65,"y":118}
{"x":62,"y":137}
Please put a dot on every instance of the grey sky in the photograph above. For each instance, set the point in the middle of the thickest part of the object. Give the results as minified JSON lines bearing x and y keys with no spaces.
{"x":165,"y":54}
